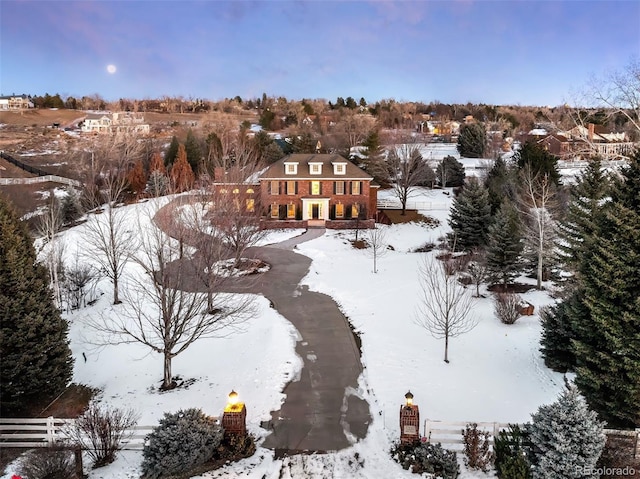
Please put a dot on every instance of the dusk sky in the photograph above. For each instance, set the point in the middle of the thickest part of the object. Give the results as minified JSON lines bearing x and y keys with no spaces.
{"x":495,"y":52}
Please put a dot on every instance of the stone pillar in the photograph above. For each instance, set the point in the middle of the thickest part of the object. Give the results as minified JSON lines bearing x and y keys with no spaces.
{"x":234,"y":417}
{"x":409,"y":421}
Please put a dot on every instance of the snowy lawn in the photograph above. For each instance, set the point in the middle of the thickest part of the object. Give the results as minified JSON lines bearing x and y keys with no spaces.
{"x":496,"y":372}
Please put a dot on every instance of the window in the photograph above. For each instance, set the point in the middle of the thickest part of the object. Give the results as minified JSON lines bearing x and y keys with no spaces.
{"x":291,"y":211}
{"x":354,"y":211}
{"x":291,"y":187}
{"x":315,"y":188}
{"x":339,"y":168}
{"x":275,"y":187}
{"x":250,"y":205}
{"x":291,"y":168}
{"x":275,"y":213}
{"x":339,"y":210}
{"x":315,"y":168}
{"x":355,"y":187}
{"x":339,"y":187}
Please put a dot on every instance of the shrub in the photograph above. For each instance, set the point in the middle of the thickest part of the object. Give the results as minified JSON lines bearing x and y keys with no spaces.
{"x":100,"y":431}
{"x":48,"y":464}
{"x":235,"y":447}
{"x":182,"y":441}
{"x":477,"y":451}
{"x":426,"y":458}
{"x":567,"y":437}
{"x":507,"y":307}
{"x":511,"y":449}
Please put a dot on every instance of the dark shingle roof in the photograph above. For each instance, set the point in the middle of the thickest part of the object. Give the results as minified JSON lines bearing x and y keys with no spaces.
{"x":277,"y":170}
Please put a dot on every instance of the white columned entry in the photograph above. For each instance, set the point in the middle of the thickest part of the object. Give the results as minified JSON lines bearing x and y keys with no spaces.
{"x":309,"y":204}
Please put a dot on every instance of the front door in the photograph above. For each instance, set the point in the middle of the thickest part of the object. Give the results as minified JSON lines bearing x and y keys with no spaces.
{"x":315,"y":211}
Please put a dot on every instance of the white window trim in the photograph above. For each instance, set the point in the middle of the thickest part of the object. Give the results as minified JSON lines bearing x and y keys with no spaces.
{"x":293,"y":165}
{"x":311,"y":166}
{"x":337,"y":165}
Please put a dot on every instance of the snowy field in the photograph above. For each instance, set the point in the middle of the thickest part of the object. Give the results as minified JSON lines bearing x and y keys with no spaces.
{"x":496,"y":372}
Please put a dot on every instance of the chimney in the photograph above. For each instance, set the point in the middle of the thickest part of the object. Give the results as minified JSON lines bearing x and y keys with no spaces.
{"x":218,"y":174}
{"x":591,"y":130}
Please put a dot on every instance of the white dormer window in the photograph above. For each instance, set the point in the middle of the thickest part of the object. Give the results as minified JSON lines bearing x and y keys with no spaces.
{"x":315,"y":168}
{"x":339,"y":168}
{"x":291,"y":168}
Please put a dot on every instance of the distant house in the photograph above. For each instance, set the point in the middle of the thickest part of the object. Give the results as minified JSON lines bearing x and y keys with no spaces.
{"x":20,"y":102}
{"x":96,"y":123}
{"x":303,"y":190}
{"x":557,"y":144}
{"x":121,"y":122}
{"x":129,"y":122}
{"x":597,"y":140}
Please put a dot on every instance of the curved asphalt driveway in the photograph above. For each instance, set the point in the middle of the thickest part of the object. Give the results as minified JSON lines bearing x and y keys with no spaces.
{"x":321,"y":411}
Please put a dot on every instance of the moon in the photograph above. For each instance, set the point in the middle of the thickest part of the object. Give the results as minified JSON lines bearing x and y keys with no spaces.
{"x":111,"y":69}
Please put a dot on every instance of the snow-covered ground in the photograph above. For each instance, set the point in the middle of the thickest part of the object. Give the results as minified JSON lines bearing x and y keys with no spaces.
{"x":496,"y":372}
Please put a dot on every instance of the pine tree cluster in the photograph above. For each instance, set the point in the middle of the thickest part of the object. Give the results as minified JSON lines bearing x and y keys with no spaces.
{"x":36,"y":360}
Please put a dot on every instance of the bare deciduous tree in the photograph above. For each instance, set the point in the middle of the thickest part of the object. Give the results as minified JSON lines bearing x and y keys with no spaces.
{"x":160,"y":315}
{"x":234,"y":206}
{"x":477,"y":269}
{"x":538,"y":198}
{"x":48,"y":227}
{"x":378,"y":247}
{"x":407,"y":170}
{"x":445,"y":306}
{"x":110,"y":242}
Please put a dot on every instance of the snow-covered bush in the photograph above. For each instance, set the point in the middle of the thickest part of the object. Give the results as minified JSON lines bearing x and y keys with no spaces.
{"x":507,"y":307}
{"x":567,"y":438}
{"x":511,"y":448}
{"x":182,"y":441}
{"x":48,"y":464}
{"x":427,"y":458}
{"x":477,"y":450}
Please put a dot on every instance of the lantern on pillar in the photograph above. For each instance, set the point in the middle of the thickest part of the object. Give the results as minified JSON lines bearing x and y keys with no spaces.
{"x":409,"y":420}
{"x":234,"y":417}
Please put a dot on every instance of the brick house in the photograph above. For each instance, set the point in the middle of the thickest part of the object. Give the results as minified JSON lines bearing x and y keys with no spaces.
{"x":304,"y":190}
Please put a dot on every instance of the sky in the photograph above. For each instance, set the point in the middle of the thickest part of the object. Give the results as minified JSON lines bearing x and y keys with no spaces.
{"x":458,"y":51}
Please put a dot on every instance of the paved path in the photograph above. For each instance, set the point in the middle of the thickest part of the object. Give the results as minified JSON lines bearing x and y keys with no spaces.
{"x":321,"y":411}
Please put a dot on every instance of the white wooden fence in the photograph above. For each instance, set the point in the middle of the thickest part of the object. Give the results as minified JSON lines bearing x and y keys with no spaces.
{"x":43,"y":432}
{"x":449,"y":434}
{"x":393,"y":204}
{"x":40,"y":179}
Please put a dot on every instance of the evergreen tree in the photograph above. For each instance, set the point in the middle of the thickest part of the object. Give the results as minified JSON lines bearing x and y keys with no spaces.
{"x":36,"y":360}
{"x":558,"y":332}
{"x":472,"y":140}
{"x":373,"y":161}
{"x":269,"y":151}
{"x":470,"y":216}
{"x":586,"y":200}
{"x":607,"y":344}
{"x":172,"y":152}
{"x":304,"y":143}
{"x":71,"y":207}
{"x":136,"y":179}
{"x":182,"y":177}
{"x":500,"y":183}
{"x":450,"y":172}
{"x":504,"y":245}
{"x":158,"y":182}
{"x":539,"y":160}
{"x":567,"y":438}
{"x":194,"y":152}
